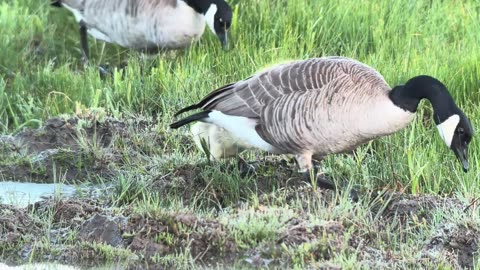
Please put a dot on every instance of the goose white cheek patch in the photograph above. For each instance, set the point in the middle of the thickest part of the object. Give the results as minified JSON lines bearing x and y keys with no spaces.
{"x":210,"y":17}
{"x":447,"y":128}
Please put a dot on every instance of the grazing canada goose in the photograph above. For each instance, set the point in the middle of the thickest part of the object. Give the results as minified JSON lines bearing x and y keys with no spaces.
{"x":149,"y":25}
{"x":323,"y":106}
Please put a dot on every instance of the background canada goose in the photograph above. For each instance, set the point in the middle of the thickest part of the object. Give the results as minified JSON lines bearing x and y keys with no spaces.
{"x":149,"y":25}
{"x":323,"y":106}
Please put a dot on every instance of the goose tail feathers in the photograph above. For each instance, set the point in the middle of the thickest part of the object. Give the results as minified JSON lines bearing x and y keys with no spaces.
{"x":189,"y":119}
{"x":186,"y":109}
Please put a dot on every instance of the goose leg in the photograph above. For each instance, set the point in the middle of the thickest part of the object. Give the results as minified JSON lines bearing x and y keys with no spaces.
{"x":84,"y":41}
{"x":308,"y":171}
{"x":102,"y":69}
{"x":246,"y":168}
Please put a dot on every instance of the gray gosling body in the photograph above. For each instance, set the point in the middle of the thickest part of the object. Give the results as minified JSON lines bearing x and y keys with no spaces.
{"x":321,"y":106}
{"x":220,"y":142}
{"x":149,"y":25}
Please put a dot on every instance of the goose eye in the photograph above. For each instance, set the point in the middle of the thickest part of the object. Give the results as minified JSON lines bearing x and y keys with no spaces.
{"x":461,"y":131}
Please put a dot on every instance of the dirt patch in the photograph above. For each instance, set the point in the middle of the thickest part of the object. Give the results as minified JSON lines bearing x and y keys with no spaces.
{"x":208,"y":181}
{"x":75,"y":149}
{"x":452,"y":242}
{"x":205,"y":239}
{"x":402,"y":214}
{"x":276,"y":172}
{"x":68,"y":212}
{"x":14,"y":223}
{"x":153,"y":237}
{"x":17,"y":228}
{"x":403,"y":206}
{"x":67,"y":133}
{"x":456,"y":242}
{"x":327,"y":239}
{"x":148,"y":237}
{"x":299,"y":232}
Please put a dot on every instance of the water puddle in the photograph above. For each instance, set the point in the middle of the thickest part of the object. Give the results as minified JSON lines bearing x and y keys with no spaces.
{"x":38,"y":266}
{"x":22,"y":194}
{"x":57,"y":266}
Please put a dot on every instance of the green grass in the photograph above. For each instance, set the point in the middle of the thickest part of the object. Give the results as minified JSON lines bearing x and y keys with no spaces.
{"x":41,"y":76}
{"x":400,"y":39}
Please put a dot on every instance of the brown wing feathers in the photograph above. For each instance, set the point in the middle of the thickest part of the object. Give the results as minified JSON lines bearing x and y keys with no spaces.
{"x":248,"y":97}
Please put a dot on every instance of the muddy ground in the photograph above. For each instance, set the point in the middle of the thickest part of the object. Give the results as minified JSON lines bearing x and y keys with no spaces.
{"x":86,"y":149}
{"x":70,"y":149}
{"x":208,"y":240}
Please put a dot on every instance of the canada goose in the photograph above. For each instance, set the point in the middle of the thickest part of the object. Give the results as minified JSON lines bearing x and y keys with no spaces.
{"x":322,"y":106}
{"x":149,"y":25}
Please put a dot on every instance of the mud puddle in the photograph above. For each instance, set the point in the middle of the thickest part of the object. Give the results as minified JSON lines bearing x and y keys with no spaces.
{"x":55,"y":266}
{"x":23,"y":194}
{"x":39,"y":266}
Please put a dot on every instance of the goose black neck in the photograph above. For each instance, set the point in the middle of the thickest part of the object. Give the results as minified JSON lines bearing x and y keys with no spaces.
{"x":409,"y":95}
{"x":200,"y":6}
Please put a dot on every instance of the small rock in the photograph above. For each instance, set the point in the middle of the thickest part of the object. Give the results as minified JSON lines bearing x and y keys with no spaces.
{"x":44,"y":155}
{"x":55,"y":122}
{"x":102,"y":229}
{"x":187,"y":219}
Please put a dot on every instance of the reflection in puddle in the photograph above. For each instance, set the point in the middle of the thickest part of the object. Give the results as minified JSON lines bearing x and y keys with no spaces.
{"x":22,"y":194}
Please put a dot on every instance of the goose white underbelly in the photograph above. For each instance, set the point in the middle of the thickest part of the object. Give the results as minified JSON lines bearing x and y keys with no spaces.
{"x":241,"y":129}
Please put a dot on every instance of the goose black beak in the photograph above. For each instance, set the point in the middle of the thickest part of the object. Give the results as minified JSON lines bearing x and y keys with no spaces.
{"x":461,"y":151}
{"x":223,"y":37}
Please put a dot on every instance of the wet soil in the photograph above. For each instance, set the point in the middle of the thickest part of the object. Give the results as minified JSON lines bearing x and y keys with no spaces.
{"x":73,"y":149}
{"x":70,"y":230}
{"x":149,"y":237}
{"x":146,"y":236}
{"x":266,"y":177}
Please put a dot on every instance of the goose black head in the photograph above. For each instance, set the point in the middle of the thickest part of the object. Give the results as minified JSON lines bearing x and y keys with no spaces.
{"x":218,"y":17}
{"x":217,"y":14}
{"x":454,"y":127}
{"x":457,"y":132}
